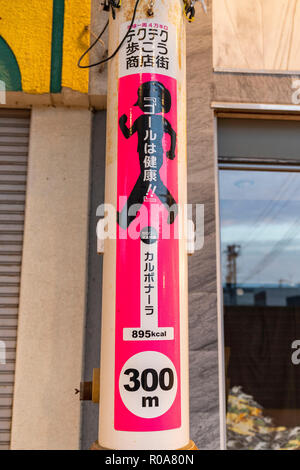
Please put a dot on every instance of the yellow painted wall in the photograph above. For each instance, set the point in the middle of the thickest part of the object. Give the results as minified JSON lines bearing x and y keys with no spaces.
{"x":27,"y":28}
{"x":76,"y":41}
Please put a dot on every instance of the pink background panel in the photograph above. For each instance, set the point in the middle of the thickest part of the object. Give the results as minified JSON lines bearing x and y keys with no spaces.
{"x":128,"y":260}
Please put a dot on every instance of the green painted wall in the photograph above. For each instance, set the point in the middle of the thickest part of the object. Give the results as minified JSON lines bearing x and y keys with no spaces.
{"x":9,"y":69}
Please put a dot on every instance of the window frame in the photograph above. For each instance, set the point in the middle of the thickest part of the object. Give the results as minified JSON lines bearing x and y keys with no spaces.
{"x":240,"y":111}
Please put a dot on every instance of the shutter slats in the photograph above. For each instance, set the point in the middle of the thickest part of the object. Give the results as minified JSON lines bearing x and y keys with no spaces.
{"x":14,"y":138}
{"x":10,"y":342}
{"x":9,"y":312}
{"x":8,"y":246}
{"x":12,"y":168}
{"x":9,"y":271}
{"x":5,"y":424}
{"x":9,"y":279}
{"x":13,"y":199}
{"x":6,"y":412}
{"x":8,"y":322}
{"x":11,"y":152}
{"x":18,"y":238}
{"x":11,"y":227}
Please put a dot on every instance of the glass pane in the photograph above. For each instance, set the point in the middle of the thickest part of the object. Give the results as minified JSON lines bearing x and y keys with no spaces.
{"x":260,"y":245}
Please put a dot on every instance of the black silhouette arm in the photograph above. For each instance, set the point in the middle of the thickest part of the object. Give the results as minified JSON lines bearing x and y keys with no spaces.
{"x":127,"y":132}
{"x":168,"y":129}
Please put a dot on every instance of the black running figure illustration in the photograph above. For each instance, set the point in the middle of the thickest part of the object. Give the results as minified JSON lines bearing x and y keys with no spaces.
{"x":154,"y":100}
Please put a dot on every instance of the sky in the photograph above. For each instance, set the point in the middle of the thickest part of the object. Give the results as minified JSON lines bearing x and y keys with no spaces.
{"x":260,"y":210}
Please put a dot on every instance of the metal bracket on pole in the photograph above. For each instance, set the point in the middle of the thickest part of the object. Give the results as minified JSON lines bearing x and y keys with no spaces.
{"x":90,"y":391}
{"x":189,"y":9}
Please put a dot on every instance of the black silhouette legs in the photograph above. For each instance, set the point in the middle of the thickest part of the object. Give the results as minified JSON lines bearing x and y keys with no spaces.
{"x":137,"y":197}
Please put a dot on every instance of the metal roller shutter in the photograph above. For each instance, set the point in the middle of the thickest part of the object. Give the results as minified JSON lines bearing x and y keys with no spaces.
{"x":14,"y":137}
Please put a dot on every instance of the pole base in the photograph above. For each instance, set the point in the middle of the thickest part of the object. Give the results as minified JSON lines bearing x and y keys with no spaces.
{"x":190,"y":446}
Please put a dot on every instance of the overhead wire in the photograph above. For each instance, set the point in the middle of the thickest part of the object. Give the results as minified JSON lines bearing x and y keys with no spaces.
{"x":113,"y":5}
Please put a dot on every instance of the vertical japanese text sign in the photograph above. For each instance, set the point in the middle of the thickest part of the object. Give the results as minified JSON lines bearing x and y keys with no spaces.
{"x":147,"y":336}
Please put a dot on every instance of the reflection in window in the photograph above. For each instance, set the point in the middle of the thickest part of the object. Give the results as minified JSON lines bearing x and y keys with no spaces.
{"x":260,"y":245}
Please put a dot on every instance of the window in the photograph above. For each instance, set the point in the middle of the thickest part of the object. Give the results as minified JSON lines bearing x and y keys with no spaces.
{"x":259,"y":187}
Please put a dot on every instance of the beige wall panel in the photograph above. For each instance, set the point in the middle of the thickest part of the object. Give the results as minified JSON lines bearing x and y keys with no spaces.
{"x":260,"y":89}
{"x":46,"y":413}
{"x":258,"y":35}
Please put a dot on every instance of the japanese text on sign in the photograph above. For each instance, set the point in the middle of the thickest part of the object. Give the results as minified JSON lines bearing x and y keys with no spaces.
{"x":149,"y":47}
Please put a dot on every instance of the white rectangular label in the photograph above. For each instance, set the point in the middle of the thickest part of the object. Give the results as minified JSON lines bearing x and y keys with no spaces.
{"x":149,"y":329}
{"x":149,"y":48}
